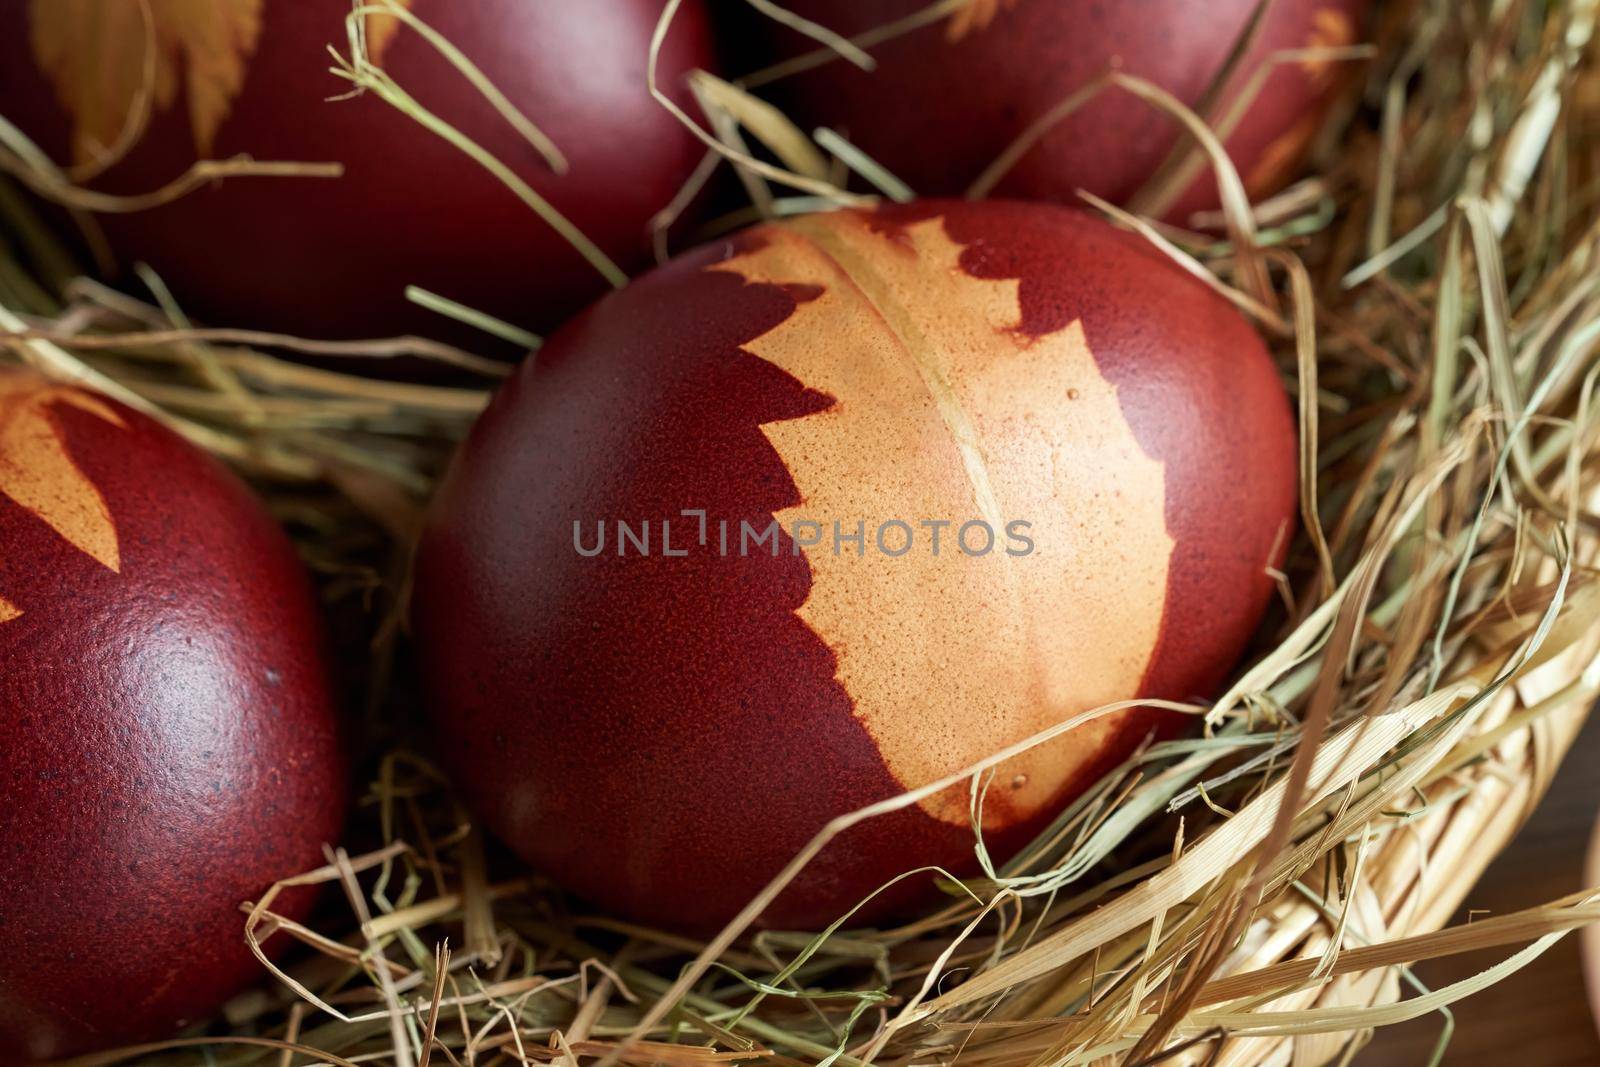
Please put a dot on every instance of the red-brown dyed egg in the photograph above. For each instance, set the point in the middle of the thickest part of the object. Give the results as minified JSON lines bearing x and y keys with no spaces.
{"x":946,"y":99}
{"x":663,"y":732}
{"x":331,"y":257}
{"x":170,"y":741}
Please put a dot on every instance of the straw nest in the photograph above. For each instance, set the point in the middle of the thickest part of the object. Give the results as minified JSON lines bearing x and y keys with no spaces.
{"x":1251,"y":895}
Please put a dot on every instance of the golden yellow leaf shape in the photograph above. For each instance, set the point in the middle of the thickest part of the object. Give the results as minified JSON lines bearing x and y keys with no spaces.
{"x":103,"y":56}
{"x":37,"y":473}
{"x":945,"y":412}
{"x":972,"y":16}
{"x":381,"y":30}
{"x":1330,"y":28}
{"x":1280,"y":158}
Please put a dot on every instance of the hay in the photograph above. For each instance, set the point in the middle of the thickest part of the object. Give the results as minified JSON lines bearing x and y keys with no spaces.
{"x":1250,"y":896}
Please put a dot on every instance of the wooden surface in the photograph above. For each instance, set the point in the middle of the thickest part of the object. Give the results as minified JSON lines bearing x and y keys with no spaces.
{"x":1540,"y":1016}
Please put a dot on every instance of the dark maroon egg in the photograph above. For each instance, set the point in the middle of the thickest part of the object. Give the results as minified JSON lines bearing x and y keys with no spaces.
{"x":170,"y":741}
{"x":661,"y":713}
{"x":948,"y":98}
{"x":331,"y":257}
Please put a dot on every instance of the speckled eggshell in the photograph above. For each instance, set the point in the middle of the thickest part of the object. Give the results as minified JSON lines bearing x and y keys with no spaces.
{"x":948,"y":98}
{"x":663,"y":733}
{"x":170,"y":745}
{"x":331,"y":257}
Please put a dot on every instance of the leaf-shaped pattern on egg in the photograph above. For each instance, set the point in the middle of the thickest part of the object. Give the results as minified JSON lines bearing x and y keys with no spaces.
{"x":973,"y":16}
{"x":103,"y":57}
{"x":381,"y":30}
{"x":924,"y":361}
{"x":1330,"y":29}
{"x":38,"y":473}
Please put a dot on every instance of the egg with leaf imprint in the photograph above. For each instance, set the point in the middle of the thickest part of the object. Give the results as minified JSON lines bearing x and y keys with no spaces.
{"x":171,"y":747}
{"x":150,"y":88}
{"x":951,"y":99}
{"x":828,"y":511}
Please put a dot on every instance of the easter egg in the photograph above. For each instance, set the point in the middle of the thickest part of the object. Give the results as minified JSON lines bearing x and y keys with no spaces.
{"x":170,"y":747}
{"x":948,"y":97}
{"x":331,"y":257}
{"x":831,"y":509}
